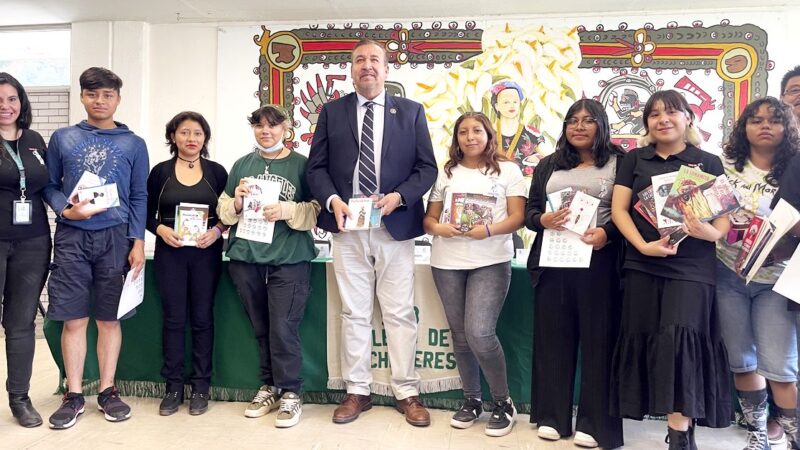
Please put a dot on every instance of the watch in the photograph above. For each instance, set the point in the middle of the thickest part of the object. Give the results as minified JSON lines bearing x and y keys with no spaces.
{"x":402,"y":200}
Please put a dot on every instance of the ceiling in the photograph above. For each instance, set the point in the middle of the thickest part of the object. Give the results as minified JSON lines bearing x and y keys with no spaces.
{"x":39,"y":12}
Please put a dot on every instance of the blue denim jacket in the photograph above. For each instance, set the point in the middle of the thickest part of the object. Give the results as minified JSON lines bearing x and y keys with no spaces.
{"x":117,"y":155}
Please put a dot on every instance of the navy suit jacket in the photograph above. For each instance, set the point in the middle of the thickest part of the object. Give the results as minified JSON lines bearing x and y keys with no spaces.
{"x":407,"y":162}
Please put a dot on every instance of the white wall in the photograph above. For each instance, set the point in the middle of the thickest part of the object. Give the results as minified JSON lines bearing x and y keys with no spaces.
{"x":175,"y":67}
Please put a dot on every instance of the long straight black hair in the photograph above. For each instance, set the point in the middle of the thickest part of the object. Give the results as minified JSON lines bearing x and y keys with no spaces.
{"x":566,"y":155}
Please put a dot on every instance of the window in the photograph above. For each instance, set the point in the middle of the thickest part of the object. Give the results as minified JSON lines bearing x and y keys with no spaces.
{"x":36,"y":57}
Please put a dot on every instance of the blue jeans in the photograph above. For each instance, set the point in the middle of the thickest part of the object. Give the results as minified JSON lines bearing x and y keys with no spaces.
{"x":758,"y":331}
{"x":472,"y":301}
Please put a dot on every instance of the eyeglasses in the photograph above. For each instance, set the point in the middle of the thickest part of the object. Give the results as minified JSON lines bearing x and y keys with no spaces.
{"x":793,"y":92}
{"x":573,"y":122}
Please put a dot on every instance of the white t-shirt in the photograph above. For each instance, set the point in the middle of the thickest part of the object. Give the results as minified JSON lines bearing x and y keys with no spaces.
{"x":461,"y":252}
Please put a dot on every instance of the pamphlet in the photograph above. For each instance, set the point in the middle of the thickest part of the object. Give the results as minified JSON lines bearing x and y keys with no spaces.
{"x":87,"y":180}
{"x":191,"y":221}
{"x":582,"y":211}
{"x":132,"y":293}
{"x":252,"y":225}
{"x":662,"y":185}
{"x":564,"y":248}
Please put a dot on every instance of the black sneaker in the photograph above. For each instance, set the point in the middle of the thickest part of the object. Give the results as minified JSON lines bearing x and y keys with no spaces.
{"x":170,"y":404}
{"x":502,"y":419}
{"x":198,"y":404}
{"x":468,"y":414}
{"x":67,"y":414}
{"x":112,"y":406}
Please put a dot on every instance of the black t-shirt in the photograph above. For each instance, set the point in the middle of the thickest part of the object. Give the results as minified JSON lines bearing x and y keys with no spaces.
{"x":32,"y":149}
{"x":174,"y":193}
{"x":696,"y":258}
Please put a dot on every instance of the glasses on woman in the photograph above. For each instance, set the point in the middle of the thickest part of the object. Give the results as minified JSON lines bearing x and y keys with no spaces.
{"x":573,"y":122}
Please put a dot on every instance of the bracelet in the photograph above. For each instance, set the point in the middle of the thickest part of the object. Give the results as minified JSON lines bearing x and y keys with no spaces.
{"x":217,"y":231}
{"x":488,"y":233}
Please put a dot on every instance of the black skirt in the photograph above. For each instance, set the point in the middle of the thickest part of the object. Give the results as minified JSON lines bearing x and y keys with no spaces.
{"x":669,"y":357}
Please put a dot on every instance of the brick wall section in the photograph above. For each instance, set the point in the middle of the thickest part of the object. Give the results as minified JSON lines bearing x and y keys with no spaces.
{"x":50,"y":112}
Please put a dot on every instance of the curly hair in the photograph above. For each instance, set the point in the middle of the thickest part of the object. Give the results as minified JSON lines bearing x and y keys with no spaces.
{"x":737,"y":149}
{"x":566,"y":157}
{"x":491,"y":157}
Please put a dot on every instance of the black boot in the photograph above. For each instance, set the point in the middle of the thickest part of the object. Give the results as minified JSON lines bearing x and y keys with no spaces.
{"x":692,"y":442}
{"x":23,"y":410}
{"x":678,"y":440}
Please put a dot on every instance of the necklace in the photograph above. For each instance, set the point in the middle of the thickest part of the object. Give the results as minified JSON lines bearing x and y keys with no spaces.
{"x":191,"y":162}
{"x":269,"y":161}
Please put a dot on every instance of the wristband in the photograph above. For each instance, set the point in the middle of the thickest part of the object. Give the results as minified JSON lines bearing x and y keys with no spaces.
{"x":488,"y":233}
{"x":217,"y":231}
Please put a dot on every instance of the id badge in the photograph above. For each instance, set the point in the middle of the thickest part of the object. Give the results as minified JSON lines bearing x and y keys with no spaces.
{"x":22,"y":212}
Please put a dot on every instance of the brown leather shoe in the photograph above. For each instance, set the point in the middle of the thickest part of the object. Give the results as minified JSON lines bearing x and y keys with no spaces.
{"x":351,"y":407}
{"x":415,"y":413}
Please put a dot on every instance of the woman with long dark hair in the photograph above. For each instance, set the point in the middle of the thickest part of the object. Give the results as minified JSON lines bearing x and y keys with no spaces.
{"x":473,"y":289}
{"x":758,"y":331}
{"x":576,"y":305}
{"x":24,"y":241}
{"x":669,"y":358}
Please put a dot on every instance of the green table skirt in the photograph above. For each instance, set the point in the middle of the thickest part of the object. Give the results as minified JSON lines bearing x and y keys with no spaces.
{"x":235,"y":365}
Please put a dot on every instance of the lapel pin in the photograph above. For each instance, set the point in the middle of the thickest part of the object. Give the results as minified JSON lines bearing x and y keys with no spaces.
{"x":392,"y":111}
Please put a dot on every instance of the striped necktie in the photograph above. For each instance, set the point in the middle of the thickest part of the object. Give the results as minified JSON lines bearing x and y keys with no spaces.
{"x":367,"y":179}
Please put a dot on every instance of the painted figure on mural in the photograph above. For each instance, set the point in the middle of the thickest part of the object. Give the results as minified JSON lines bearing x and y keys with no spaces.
{"x":519,"y":141}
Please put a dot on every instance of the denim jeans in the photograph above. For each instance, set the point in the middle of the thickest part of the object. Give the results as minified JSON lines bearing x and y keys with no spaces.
{"x":23,"y":271}
{"x":758,"y":331}
{"x":472,"y":301}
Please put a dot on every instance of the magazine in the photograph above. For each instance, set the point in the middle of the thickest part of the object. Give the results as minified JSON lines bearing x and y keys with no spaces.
{"x":704,"y":195}
{"x":191,"y":221}
{"x":365,"y":214}
{"x":252,"y":225}
{"x":470,"y":210}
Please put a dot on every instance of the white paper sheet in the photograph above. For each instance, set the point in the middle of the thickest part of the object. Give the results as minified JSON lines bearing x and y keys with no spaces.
{"x":788,"y":284}
{"x":132,"y":293}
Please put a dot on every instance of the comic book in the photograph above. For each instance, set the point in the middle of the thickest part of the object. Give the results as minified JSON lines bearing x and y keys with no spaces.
{"x":662,"y":184}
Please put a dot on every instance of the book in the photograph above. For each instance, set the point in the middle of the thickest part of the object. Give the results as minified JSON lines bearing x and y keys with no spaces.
{"x":763,"y":237}
{"x":100,"y":197}
{"x":365,"y":214}
{"x":563,"y":197}
{"x":582,"y":211}
{"x":470,"y":210}
{"x":704,"y":195}
{"x":252,"y":225}
{"x":191,"y":221}
{"x":646,"y":207}
{"x":662,"y":185}
{"x":721,"y":197}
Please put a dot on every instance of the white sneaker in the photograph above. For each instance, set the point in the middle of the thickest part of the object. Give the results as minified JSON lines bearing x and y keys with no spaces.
{"x":584,"y":440}
{"x":548,"y":433}
{"x":265,"y":401}
{"x":290,"y":410}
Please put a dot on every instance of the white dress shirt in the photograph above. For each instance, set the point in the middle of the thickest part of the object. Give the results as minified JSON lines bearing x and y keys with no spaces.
{"x":377,"y":137}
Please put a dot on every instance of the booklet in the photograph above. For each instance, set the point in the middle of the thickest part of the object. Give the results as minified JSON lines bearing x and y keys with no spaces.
{"x":87,"y":180}
{"x":252,"y":225}
{"x":662,"y":185}
{"x":563,"y":197}
{"x":132,"y":293}
{"x":704,"y":195}
{"x":365,"y":214}
{"x":582,"y":211}
{"x":646,"y":207}
{"x":564,"y":248}
{"x":100,"y":197}
{"x":191,"y":221}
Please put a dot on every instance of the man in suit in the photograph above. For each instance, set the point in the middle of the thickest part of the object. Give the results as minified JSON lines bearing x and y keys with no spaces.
{"x":371,"y":143}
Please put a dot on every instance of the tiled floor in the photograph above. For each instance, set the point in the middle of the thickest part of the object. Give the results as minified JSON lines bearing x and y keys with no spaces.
{"x":224,"y":426}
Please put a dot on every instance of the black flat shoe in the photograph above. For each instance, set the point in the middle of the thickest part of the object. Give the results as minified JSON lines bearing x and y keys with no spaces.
{"x":22,"y":409}
{"x":198,"y":404}
{"x":170,"y":404}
